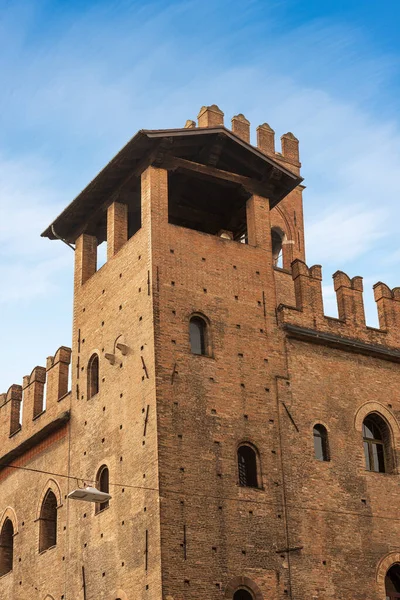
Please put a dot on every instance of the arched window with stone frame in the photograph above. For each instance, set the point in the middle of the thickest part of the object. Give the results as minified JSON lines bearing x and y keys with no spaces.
{"x":249,"y":469}
{"x":103,"y":485}
{"x":48,"y":522}
{"x":242,"y":588}
{"x":377,"y":444}
{"x":392,"y":582}
{"x":93,"y":376}
{"x":277,"y":240}
{"x":6,"y":547}
{"x":199,"y":334}
{"x":321,"y":444}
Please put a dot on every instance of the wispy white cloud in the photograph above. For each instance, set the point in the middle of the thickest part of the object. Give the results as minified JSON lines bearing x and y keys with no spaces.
{"x":27,"y":200}
{"x":344,"y":234}
{"x":24,"y":281}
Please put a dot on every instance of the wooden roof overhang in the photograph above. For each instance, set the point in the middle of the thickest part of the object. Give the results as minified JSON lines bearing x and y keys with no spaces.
{"x":208,"y":153}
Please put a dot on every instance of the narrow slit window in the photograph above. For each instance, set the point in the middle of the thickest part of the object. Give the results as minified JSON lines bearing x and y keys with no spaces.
{"x":247,"y":466}
{"x":102,"y":484}
{"x":321,"y":449}
{"x":198,"y":335}
{"x":6,"y":547}
{"x":93,"y":376}
{"x":48,"y":522}
{"x":375,"y":438}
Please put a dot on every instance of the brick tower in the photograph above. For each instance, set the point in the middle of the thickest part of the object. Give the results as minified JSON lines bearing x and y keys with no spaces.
{"x":225,"y":414}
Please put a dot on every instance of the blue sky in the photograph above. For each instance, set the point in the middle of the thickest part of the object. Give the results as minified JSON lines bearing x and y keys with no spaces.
{"x":78,"y":79}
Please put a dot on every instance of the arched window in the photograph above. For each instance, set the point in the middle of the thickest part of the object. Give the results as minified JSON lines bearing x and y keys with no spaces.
{"x":102,"y":484}
{"x":198,"y":335}
{"x":48,"y":522}
{"x":321,"y":448}
{"x":376,"y":436}
{"x":247,"y":466}
{"x":392,"y":582}
{"x":277,"y":237}
{"x":93,"y":376}
{"x":6,"y":547}
{"x":243,"y":595}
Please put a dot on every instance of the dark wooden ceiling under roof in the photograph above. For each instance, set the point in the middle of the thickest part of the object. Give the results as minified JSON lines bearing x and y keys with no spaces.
{"x":209,"y":154}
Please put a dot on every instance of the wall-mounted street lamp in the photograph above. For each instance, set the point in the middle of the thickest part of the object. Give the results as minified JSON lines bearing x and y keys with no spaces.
{"x":89,"y":494}
{"x":110,"y":357}
{"x":123,"y":348}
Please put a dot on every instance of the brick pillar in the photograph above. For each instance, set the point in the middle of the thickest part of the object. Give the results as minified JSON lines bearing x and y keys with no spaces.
{"x":154,"y":196}
{"x":258,"y":222}
{"x":85,"y":258}
{"x":117,"y":228}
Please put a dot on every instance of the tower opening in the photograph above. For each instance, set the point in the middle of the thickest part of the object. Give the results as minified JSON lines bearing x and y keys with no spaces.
{"x":214,"y":207}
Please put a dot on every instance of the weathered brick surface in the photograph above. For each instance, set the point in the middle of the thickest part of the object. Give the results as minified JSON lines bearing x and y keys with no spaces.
{"x":168,"y":423}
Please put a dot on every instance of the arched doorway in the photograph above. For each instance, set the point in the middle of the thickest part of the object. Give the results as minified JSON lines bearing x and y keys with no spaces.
{"x":392,"y":582}
{"x":242,"y":595}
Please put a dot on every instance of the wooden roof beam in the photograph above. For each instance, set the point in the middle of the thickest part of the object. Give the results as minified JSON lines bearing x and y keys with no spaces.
{"x":207,"y":172}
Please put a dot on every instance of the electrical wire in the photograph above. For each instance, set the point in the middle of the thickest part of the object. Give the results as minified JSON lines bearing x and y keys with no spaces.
{"x":209,"y":496}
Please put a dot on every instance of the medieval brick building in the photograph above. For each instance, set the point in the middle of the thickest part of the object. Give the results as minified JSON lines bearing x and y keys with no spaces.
{"x":250,"y":444}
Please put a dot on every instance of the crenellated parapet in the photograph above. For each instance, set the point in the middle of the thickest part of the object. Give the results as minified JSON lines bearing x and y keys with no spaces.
{"x":212,"y":116}
{"x":289,"y":153}
{"x":25,"y":409}
{"x":309,"y":312}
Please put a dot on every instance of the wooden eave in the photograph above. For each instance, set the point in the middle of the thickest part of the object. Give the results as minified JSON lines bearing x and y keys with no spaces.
{"x":216,"y":148}
{"x":330,"y":340}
